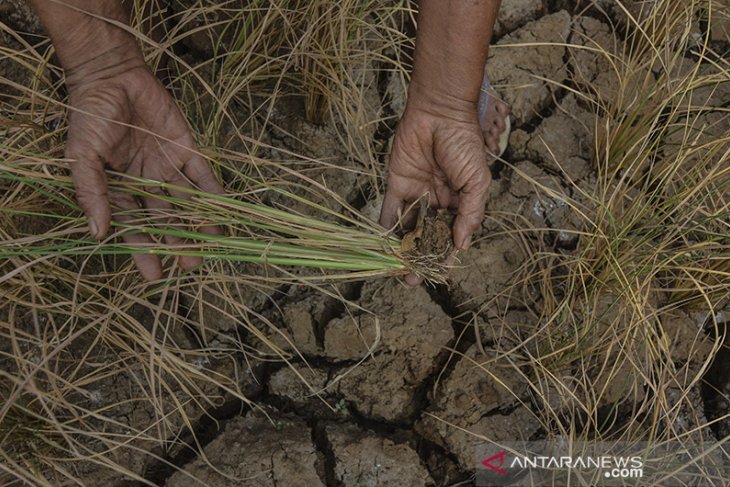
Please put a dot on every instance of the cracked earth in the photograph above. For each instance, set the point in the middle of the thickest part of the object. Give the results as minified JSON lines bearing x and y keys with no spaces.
{"x":408,"y":414}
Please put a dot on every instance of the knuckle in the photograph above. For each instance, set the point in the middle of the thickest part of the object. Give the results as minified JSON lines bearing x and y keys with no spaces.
{"x":90,"y":193}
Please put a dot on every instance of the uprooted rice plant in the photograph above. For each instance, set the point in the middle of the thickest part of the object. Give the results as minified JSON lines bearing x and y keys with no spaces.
{"x":593,"y":305}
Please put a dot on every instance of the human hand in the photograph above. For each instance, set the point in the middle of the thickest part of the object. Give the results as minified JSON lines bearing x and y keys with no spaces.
{"x":122,"y":118}
{"x":439,"y":147}
{"x":439,"y":150}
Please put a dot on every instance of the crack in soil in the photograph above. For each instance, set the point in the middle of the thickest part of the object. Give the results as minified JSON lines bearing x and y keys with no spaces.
{"x":715,"y":388}
{"x":323,"y":446}
{"x":208,"y":427}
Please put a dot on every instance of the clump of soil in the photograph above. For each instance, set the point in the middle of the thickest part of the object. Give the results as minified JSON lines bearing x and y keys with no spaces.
{"x":432,"y":235}
{"x":437,"y":238}
{"x":385,"y":387}
{"x":251,"y":451}
{"x":519,"y":70}
{"x":364,"y":458}
{"x":483,"y":397}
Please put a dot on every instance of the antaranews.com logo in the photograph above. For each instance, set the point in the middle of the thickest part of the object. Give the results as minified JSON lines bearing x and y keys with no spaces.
{"x":611,"y":467}
{"x":594,"y":463}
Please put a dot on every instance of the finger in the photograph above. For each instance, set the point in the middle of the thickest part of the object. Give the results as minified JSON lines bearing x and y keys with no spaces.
{"x":472,"y":201}
{"x":200,"y":173}
{"x":499,"y":125}
{"x":149,"y":265}
{"x":413,"y":280}
{"x":211,"y":230}
{"x":391,"y":210}
{"x":185,"y":262}
{"x":489,"y":140}
{"x":502,"y":108}
{"x":180,"y":181}
{"x":493,"y":146}
{"x":448,"y":198}
{"x":87,"y":171}
{"x":409,"y":219}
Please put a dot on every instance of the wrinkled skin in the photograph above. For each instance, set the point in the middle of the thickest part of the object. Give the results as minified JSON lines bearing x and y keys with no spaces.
{"x":122,"y":118}
{"x":128,"y":122}
{"x":445,"y":154}
{"x":445,"y":158}
{"x":440,"y":150}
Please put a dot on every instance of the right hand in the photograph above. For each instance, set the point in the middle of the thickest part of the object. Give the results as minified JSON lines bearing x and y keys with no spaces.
{"x":122,"y":118}
{"x":443,"y":156}
{"x":438,"y":150}
{"x":439,"y":147}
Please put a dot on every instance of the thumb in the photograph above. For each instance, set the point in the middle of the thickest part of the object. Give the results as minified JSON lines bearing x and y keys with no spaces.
{"x":87,"y":171}
{"x":472,"y":201}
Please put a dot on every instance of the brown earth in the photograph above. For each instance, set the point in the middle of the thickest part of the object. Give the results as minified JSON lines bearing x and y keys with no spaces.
{"x":392,"y":389}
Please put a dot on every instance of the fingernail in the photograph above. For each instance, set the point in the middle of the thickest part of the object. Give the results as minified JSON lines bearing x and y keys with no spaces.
{"x":466,"y":243}
{"x":93,"y":229}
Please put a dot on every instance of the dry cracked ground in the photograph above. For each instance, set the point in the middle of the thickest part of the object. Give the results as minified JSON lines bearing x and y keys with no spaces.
{"x":405,"y":413}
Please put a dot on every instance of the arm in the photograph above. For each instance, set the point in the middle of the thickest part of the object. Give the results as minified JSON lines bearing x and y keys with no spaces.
{"x":451,"y":50}
{"x":439,"y":148}
{"x":85,"y":36}
{"x":120,"y":117}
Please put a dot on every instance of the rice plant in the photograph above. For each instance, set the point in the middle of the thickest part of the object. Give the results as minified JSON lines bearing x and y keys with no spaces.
{"x":77,"y":326}
{"x":103,"y":375}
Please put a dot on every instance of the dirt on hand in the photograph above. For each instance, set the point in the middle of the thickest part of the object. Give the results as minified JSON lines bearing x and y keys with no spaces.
{"x":433,"y":234}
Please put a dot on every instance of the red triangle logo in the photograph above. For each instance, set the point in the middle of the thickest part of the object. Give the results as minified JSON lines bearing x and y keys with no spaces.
{"x":488,"y":462}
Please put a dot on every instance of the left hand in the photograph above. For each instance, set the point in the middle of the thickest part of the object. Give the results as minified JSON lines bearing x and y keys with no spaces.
{"x":125,"y":120}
